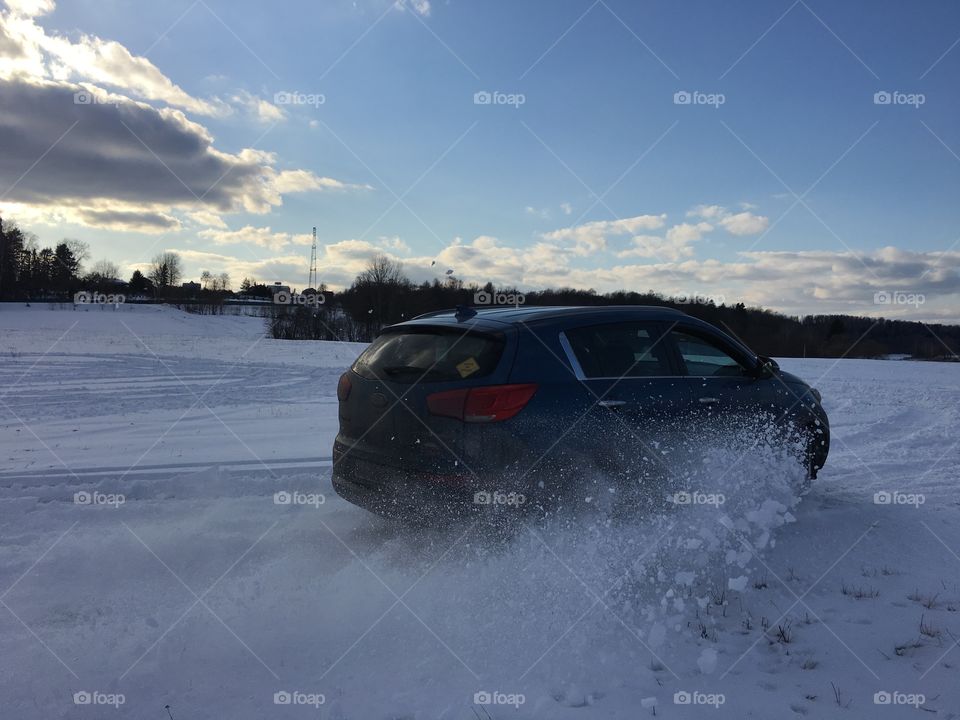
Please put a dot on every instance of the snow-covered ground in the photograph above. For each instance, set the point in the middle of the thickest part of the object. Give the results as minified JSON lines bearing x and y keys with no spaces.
{"x":144,"y":558}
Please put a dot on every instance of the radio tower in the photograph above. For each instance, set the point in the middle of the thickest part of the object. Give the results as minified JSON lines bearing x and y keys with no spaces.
{"x":312,"y":279}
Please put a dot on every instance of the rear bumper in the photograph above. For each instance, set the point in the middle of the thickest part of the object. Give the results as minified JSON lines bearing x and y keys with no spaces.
{"x":419,"y":495}
{"x":395,"y":493}
{"x":407,"y":504}
{"x":371,"y":499}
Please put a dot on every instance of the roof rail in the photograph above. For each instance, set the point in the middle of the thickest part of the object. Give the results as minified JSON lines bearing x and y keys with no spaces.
{"x":433,"y":313}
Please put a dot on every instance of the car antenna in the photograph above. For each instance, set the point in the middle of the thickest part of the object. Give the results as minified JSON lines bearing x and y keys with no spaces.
{"x":464,"y":313}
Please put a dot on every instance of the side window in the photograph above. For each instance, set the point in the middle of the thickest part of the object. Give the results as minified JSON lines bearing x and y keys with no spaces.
{"x":704,"y":358}
{"x":619,"y":350}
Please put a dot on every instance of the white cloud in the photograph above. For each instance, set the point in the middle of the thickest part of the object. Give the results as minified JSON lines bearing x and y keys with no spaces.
{"x":151,"y":219}
{"x":745,"y":223}
{"x":708,"y":212}
{"x":394,"y":243}
{"x":90,"y":59}
{"x":592,"y":237}
{"x":260,"y":236}
{"x":292,"y":181}
{"x":742,"y":223}
{"x":656,"y":247}
{"x":205,"y":217}
{"x":686,"y":233}
{"x":30,"y":8}
{"x":263,"y":110}
{"x":565,"y":208}
{"x":421,"y":7}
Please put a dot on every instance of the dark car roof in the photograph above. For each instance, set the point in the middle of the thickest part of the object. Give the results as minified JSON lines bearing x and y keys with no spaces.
{"x":493,"y":319}
{"x":516,"y":315}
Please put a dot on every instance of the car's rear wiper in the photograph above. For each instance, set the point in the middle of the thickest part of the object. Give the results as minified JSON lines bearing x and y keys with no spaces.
{"x":393,"y":370}
{"x":397,"y":369}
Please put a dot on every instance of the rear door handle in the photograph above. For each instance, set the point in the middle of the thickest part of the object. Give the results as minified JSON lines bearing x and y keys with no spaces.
{"x":709,"y":400}
{"x":611,"y":403}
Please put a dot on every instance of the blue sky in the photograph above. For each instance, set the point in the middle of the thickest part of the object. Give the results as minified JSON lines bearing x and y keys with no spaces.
{"x":595,"y":180}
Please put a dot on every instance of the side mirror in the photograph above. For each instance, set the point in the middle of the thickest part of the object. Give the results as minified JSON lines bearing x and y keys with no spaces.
{"x":767,"y":367}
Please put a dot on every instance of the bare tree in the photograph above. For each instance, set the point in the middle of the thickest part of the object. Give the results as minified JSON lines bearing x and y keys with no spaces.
{"x":223,"y":281}
{"x":380,"y":281}
{"x":31,"y":242}
{"x":105,"y":270}
{"x":206,"y":278}
{"x":80,"y":250}
{"x":166,"y":270}
{"x":382,"y":270}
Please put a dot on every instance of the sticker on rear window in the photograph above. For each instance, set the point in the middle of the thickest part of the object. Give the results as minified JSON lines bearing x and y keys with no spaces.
{"x":468,"y":367}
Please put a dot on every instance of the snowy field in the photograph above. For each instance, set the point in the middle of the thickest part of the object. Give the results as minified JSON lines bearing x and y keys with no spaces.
{"x":145,"y":562}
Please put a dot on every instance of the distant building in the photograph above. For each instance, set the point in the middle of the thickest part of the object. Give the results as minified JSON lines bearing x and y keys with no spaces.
{"x":191,"y":287}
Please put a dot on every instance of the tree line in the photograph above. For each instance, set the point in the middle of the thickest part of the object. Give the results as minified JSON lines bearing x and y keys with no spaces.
{"x":382,"y":294}
{"x":30,"y":272}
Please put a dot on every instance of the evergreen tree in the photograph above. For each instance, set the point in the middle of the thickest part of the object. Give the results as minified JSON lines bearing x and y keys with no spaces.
{"x":63,"y":274}
{"x":11,"y":258}
{"x":140,"y":285}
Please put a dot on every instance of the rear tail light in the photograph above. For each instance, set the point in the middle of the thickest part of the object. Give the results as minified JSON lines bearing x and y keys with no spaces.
{"x":344,"y":387}
{"x":482,"y":404}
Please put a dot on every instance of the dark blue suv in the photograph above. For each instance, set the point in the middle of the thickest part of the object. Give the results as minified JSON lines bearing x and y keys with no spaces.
{"x":473,"y":407}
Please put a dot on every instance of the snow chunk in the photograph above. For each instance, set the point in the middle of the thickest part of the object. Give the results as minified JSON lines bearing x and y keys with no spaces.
{"x":737,"y":584}
{"x":658,"y":634}
{"x":707,"y":662}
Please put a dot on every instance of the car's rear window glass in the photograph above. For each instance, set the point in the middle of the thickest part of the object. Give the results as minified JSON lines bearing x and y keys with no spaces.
{"x":619,"y":350}
{"x":430,"y":355}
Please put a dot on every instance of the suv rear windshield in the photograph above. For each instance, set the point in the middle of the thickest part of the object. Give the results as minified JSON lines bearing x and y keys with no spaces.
{"x":430,"y":355}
